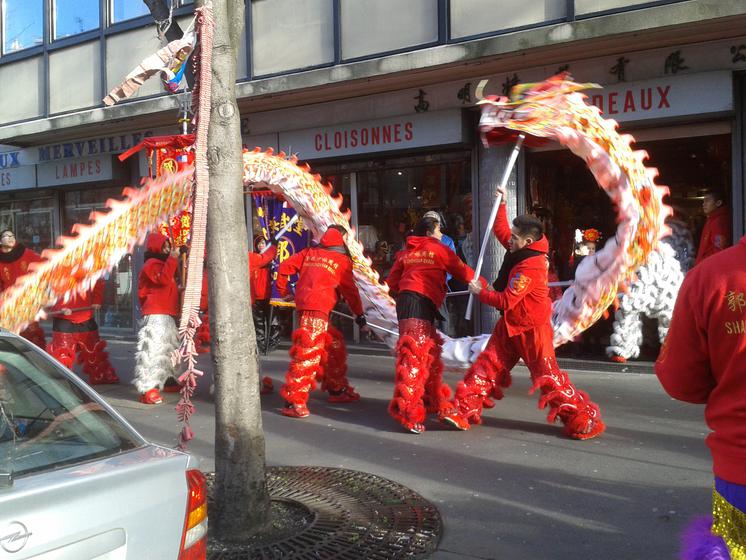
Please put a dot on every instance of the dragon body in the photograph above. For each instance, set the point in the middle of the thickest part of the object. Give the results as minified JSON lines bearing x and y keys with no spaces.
{"x":553,"y":109}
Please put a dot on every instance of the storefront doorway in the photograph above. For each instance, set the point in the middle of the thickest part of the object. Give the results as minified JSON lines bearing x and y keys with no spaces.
{"x":562,"y":191}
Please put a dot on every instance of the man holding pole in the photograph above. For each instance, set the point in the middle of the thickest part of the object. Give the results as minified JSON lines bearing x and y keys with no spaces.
{"x":318,"y":350}
{"x":524,"y":331}
{"x":418,"y":279}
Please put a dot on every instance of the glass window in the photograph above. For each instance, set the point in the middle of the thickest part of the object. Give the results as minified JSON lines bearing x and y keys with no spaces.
{"x":583,"y":7}
{"x":474,"y":17}
{"x":291,"y":34}
{"x":31,"y":220}
{"x":23,"y":82}
{"x":128,"y":9}
{"x":72,"y":17}
{"x":368,"y":28}
{"x":23,"y":24}
{"x":117,"y":309}
{"x":46,"y":421}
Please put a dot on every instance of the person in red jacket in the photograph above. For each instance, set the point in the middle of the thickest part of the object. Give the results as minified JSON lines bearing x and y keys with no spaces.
{"x":158,"y":336}
{"x":524,"y":331}
{"x":418,"y":280}
{"x":14,"y":263}
{"x":267,"y":333}
{"x":716,"y":234}
{"x":703,"y":361}
{"x":318,"y":350}
{"x":75,"y":332}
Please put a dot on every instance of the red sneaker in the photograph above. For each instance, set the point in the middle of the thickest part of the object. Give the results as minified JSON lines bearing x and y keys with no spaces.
{"x":618,"y":359}
{"x":295,"y":410}
{"x":488,"y":403}
{"x":153,"y":396}
{"x":267,"y":386}
{"x":346,"y":395}
{"x":455,"y":420}
{"x":414,"y":427}
{"x":593,"y":428}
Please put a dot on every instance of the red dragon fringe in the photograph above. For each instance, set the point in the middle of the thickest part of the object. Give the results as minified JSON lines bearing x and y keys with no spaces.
{"x":307,"y":356}
{"x":412,"y":358}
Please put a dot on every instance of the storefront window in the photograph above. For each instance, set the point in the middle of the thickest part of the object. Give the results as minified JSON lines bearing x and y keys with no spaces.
{"x":72,"y":17}
{"x":23,"y":24}
{"x":117,"y":309}
{"x":31,"y":220}
{"x":562,"y":191}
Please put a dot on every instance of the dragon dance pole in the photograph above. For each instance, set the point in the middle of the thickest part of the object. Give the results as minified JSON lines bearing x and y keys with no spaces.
{"x":372,"y":325}
{"x":282,"y":231}
{"x":493,"y":215}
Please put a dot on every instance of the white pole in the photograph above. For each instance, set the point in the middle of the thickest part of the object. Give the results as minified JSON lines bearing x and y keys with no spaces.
{"x":493,"y":215}
{"x":280,"y":233}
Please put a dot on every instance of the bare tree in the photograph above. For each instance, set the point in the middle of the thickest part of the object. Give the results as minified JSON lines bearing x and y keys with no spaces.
{"x":240,"y":485}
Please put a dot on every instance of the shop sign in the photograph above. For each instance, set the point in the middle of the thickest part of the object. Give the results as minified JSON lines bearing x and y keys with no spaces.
{"x":674,"y":96}
{"x":21,"y":177}
{"x":9,"y":159}
{"x":394,"y":133}
{"x":91,"y":147}
{"x":73,"y":171}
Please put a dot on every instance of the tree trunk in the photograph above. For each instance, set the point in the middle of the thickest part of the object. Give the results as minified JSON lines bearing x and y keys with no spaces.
{"x":240,"y":489}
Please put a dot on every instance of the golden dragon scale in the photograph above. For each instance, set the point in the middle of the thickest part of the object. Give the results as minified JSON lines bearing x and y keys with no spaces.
{"x":80,"y":260}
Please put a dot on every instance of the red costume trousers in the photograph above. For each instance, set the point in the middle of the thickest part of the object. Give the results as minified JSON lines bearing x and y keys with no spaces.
{"x":490,"y":373}
{"x":419,"y":374}
{"x":319,"y":354}
{"x":90,"y":351}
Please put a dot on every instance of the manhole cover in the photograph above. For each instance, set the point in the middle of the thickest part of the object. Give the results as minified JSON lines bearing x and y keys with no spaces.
{"x":355,"y":515}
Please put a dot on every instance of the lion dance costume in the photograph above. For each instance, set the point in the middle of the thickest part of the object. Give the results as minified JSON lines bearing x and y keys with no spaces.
{"x":158,"y":338}
{"x":14,"y":264}
{"x":75,"y":335}
{"x":319,"y":352}
{"x":418,"y":277}
{"x":266,"y":326}
{"x":704,"y":362}
{"x":524,"y":331}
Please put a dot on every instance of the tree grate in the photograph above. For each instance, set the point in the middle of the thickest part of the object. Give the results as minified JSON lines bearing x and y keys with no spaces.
{"x":354,"y":515}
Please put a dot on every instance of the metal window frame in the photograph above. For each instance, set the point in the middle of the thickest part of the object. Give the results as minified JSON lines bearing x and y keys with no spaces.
{"x":634,"y":7}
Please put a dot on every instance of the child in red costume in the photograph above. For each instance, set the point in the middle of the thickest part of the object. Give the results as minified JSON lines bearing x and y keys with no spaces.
{"x":261,"y":292}
{"x":716,"y":233}
{"x":14,"y":262}
{"x":318,"y":350}
{"x":703,"y":361}
{"x":418,"y":279}
{"x":524,"y":331}
{"x":75,"y":331}
{"x":158,"y":336}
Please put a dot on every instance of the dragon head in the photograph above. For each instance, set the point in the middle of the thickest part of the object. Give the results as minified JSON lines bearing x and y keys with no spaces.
{"x":531,"y":108}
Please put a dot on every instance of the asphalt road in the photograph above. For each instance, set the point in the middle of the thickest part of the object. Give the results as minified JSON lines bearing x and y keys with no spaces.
{"x":512,"y":488}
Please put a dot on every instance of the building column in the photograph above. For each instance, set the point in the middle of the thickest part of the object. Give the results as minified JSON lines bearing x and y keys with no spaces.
{"x":491,"y":166}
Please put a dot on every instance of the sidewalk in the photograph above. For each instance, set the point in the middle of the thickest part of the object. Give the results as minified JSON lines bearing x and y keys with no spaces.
{"x":512,"y":488}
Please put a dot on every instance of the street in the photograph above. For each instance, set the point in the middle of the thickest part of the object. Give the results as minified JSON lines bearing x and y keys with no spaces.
{"x":512,"y":488}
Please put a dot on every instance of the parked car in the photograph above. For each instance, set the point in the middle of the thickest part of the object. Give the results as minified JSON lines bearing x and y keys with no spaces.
{"x":77,"y":482}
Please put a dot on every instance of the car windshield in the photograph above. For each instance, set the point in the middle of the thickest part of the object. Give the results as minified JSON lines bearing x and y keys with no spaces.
{"x":46,"y":420}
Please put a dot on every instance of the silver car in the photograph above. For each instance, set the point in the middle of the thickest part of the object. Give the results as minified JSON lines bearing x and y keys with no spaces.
{"x":77,"y":482}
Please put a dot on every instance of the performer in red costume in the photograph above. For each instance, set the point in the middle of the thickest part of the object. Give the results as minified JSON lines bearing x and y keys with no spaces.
{"x":261,"y":292}
{"x":75,"y":331}
{"x":418,"y":280}
{"x":14,"y":262}
{"x":318,"y":350}
{"x":524,"y":331}
{"x":158,"y":336}
{"x":716,"y":234}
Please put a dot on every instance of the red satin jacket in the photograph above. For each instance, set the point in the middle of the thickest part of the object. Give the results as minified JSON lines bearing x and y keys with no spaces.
{"x":15,"y":264}
{"x":259,"y":274}
{"x":525,"y":302}
{"x":703,"y":360}
{"x":323,"y":270}
{"x":156,"y":285}
{"x":422,"y":268}
{"x":716,"y":234}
